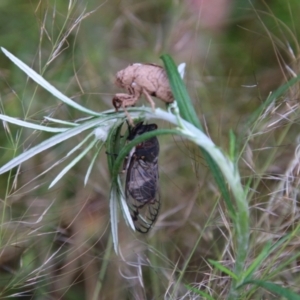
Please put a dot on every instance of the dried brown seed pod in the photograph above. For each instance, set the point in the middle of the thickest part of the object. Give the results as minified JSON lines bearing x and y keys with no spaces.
{"x":142,"y":79}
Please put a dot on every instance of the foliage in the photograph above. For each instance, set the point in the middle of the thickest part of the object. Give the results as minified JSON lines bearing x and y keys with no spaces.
{"x":229,"y":162}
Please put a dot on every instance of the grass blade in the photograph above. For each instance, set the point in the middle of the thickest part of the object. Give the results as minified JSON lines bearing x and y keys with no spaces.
{"x":73,"y":163}
{"x":223,"y":269}
{"x":25,"y":124}
{"x":89,"y":170}
{"x":50,"y":143}
{"x":46,"y":85}
{"x":199,"y":292}
{"x":113,"y":202}
{"x":274,"y":288}
{"x":180,"y":93}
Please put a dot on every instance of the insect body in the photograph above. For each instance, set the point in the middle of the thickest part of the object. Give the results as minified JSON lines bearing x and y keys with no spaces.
{"x":141,"y":187}
{"x":142,"y":79}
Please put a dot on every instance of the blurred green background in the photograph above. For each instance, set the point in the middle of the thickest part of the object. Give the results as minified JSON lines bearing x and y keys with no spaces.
{"x":54,"y":243}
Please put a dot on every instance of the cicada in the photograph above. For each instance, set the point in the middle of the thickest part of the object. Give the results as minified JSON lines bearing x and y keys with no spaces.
{"x":141,"y":185}
{"x":142,"y":79}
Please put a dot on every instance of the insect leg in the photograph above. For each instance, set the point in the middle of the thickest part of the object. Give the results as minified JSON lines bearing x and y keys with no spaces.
{"x":148,"y":97}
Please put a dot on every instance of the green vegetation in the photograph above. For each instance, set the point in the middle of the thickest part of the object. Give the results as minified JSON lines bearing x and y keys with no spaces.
{"x":229,"y":152}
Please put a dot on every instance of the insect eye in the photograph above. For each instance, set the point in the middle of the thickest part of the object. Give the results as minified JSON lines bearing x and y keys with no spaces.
{"x":152,"y":127}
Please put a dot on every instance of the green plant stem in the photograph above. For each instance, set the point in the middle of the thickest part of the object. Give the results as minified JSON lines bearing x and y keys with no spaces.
{"x":241,"y":220}
{"x":231,"y":174}
{"x":103,"y":269}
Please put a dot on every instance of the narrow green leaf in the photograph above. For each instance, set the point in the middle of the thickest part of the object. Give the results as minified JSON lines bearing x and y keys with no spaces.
{"x":274,"y":288}
{"x":258,"y":260}
{"x":124,"y":206}
{"x":79,"y":145}
{"x":89,"y":170}
{"x":217,"y":174}
{"x":266,"y":251}
{"x":113,"y":147}
{"x":113,"y":205}
{"x":46,"y":85}
{"x":180,"y":93}
{"x":26,"y":124}
{"x":114,"y":143}
{"x":223,"y":269}
{"x":58,"y":138}
{"x":199,"y":292}
{"x":58,"y":121}
{"x":73,"y":163}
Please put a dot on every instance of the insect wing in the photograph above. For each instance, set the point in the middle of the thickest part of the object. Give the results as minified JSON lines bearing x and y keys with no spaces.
{"x":142,"y":190}
{"x":142,"y":193}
